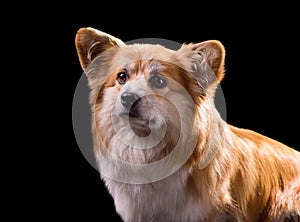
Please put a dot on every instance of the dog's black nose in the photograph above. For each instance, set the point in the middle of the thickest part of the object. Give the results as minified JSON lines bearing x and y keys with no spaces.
{"x":129,"y":100}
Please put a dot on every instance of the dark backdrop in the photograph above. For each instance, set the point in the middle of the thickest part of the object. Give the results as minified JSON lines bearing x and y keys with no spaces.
{"x":45,"y":175}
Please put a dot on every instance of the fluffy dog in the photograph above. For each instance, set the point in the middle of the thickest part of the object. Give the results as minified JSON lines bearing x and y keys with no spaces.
{"x":162,"y":148}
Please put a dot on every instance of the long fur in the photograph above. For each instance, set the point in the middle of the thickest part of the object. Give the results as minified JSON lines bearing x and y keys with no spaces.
{"x":231,"y":174}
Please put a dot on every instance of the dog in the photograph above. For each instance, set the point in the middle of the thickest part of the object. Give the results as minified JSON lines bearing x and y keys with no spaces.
{"x":162,"y":148}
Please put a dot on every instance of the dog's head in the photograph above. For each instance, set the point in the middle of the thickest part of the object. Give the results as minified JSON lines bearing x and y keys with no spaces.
{"x":146,"y":99}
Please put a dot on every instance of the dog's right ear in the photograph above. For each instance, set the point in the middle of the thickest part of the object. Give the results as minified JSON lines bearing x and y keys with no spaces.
{"x":91,"y":42}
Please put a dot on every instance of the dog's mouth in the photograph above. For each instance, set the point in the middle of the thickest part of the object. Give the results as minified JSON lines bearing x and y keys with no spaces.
{"x":139,"y":124}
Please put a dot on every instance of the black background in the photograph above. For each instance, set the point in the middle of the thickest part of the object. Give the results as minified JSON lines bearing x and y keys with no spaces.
{"x":44,"y":174}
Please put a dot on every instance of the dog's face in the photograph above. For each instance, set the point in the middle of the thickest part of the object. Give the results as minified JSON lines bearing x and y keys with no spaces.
{"x":146,"y":99}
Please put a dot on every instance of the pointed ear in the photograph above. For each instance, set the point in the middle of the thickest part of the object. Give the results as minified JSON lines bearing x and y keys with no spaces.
{"x":210,"y":68}
{"x":91,"y":42}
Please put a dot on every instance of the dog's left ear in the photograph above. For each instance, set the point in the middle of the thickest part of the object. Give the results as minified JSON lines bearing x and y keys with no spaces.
{"x":208,"y":62}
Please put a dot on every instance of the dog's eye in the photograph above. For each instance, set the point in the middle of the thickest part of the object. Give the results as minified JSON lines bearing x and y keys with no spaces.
{"x":157,"y":82}
{"x":122,"y":78}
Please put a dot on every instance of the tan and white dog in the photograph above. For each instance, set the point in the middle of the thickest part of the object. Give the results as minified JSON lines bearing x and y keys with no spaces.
{"x":162,"y":148}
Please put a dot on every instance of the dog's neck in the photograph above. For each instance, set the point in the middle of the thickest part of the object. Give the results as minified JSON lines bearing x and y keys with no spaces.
{"x":215,"y":132}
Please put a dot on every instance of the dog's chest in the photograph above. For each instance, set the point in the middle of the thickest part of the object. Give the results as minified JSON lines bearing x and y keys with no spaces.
{"x":156,"y":202}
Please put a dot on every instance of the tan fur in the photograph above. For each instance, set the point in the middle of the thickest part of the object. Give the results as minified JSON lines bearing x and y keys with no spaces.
{"x":249,"y":178}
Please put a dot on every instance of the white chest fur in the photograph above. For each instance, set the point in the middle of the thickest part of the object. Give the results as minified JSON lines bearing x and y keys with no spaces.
{"x":171,"y":199}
